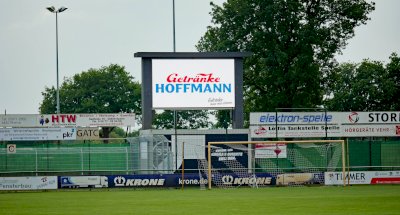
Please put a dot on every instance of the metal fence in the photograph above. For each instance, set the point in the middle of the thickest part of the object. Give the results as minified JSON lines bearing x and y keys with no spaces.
{"x":374,"y":154}
{"x":116,"y":156}
{"x":152,"y":154}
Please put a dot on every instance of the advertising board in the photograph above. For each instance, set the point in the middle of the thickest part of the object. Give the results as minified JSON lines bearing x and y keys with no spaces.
{"x":363,"y":177}
{"x":296,"y":118}
{"x":193,"y":83}
{"x":68,"y":120}
{"x":371,"y":130}
{"x":303,"y":118}
{"x":270,"y":150}
{"x":87,"y":134}
{"x":36,"y":134}
{"x":19,"y":120}
{"x":28,"y":183}
{"x":191,"y":179}
{"x":287,"y":179}
{"x":137,"y":181}
{"x":83,"y":181}
{"x":324,"y":124}
{"x":288,"y":131}
{"x":376,"y":117}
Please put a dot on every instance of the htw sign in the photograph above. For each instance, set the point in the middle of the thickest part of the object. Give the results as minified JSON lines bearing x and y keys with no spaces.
{"x":88,"y":120}
{"x":63,"y":118}
{"x":60,"y":120}
{"x":68,"y":120}
{"x":55,"y":120}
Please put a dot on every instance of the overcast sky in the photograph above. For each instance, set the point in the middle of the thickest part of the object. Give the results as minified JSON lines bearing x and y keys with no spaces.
{"x":95,"y":33}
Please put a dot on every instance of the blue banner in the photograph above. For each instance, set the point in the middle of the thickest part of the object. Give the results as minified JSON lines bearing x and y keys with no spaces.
{"x":190,"y":179}
{"x":159,"y":180}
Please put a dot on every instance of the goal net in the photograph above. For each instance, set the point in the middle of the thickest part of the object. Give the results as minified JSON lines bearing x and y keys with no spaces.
{"x":281,"y":163}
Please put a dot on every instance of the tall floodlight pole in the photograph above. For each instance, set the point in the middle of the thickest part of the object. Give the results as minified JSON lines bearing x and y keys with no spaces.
{"x":173,"y":23}
{"x":175,"y":115}
{"x":53,"y":10}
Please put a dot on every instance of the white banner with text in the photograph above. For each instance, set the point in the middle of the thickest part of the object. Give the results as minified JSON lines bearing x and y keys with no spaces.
{"x":28,"y":183}
{"x":68,"y":120}
{"x":37,"y":134}
{"x":324,"y":124}
{"x":363,"y":177}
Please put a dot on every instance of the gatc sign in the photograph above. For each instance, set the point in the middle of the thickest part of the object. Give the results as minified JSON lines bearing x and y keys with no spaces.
{"x":188,"y":83}
{"x":87,"y":134}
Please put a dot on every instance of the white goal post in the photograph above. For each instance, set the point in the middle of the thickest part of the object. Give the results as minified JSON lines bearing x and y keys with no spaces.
{"x":283,"y":160}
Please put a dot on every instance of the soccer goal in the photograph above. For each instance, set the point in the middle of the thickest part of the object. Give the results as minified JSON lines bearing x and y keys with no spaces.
{"x":266,"y":163}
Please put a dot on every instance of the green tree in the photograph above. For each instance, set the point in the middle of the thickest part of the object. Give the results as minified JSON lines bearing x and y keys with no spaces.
{"x":293,"y":44}
{"x":224,"y":118}
{"x":109,"y":89}
{"x":118,"y":132}
{"x":361,"y":87}
{"x":187,"y":119}
{"x":393,"y":68}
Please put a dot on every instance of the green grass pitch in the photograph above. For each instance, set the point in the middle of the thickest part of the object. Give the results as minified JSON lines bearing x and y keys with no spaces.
{"x":379,"y":199}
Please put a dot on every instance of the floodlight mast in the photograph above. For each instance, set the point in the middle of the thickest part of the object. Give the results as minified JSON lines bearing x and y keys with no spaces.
{"x":53,"y":10}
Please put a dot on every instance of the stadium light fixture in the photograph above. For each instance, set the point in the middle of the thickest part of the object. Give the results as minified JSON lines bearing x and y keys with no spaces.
{"x":53,"y":10}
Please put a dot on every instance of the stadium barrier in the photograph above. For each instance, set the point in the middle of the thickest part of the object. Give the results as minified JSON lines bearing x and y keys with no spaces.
{"x":163,"y":154}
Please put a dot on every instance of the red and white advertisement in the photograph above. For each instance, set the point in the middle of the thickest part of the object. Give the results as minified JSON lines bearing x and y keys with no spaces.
{"x":363,"y":177}
{"x":324,"y":124}
{"x":68,"y":120}
{"x":189,"y":83}
{"x":289,"y":131}
{"x":267,"y":150}
{"x":370,"y":130}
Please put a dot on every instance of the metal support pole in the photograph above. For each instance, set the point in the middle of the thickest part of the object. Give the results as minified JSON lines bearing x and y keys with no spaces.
{"x":127,"y":161}
{"x":173,"y":24}
{"x":82,"y":161}
{"x":58,"y":89}
{"x":53,"y":10}
{"x":209,"y":177}
{"x":36,"y":161}
{"x":183,"y":165}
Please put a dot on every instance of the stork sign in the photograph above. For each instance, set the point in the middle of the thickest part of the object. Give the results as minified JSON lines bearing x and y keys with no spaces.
{"x":11,"y":148}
